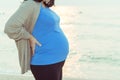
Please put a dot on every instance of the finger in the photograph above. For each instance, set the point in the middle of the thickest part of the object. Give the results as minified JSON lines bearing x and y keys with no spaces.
{"x":38,"y":43}
{"x":33,"y":50}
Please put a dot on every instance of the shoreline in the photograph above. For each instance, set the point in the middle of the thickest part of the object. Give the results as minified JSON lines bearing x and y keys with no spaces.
{"x":25,"y":77}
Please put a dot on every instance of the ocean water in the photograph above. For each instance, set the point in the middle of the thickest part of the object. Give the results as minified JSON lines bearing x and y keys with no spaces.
{"x":94,"y":36}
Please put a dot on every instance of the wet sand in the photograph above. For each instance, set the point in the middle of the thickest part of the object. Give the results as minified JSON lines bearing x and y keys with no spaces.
{"x":24,"y":77}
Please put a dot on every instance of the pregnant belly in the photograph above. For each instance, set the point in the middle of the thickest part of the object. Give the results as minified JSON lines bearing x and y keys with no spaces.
{"x":53,"y":42}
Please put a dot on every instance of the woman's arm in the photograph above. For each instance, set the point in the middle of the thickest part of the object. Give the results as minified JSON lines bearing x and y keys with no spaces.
{"x":14,"y":27}
{"x":33,"y":42}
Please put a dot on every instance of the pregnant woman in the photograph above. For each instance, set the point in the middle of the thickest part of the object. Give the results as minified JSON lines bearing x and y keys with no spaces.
{"x":37,"y":33}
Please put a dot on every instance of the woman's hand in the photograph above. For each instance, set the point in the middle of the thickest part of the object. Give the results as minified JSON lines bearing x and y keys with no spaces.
{"x":33,"y":42}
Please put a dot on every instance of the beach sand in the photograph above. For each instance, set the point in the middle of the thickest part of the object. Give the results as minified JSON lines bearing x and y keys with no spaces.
{"x":24,"y":77}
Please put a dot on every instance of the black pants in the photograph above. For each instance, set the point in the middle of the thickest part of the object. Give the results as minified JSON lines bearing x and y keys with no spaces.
{"x":48,"y":72}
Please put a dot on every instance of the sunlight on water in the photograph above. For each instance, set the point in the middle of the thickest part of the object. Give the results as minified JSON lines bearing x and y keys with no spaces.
{"x":93,"y":34}
{"x":94,"y":41}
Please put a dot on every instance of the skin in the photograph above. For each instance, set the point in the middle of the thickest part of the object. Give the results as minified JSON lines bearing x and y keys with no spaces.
{"x":33,"y":42}
{"x":46,"y":1}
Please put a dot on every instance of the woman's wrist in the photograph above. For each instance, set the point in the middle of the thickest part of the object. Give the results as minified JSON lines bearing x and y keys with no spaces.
{"x":31,"y":37}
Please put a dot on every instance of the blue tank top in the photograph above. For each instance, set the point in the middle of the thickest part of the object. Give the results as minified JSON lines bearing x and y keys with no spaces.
{"x":47,"y":31}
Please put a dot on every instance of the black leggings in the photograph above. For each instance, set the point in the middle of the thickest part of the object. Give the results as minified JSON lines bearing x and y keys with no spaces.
{"x":47,"y":72}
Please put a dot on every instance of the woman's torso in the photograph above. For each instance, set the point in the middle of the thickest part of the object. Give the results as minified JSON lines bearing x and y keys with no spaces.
{"x":47,"y":31}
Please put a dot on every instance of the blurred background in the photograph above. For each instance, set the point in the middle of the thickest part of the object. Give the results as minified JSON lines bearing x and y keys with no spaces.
{"x":93,"y":30}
